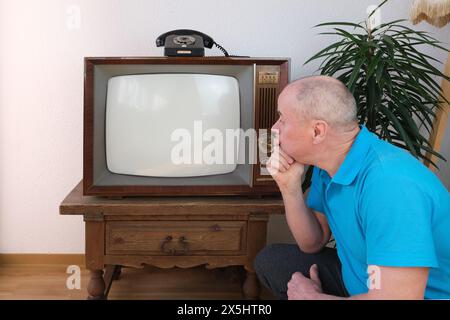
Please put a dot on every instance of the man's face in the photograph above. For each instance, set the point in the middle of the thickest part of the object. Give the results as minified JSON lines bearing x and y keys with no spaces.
{"x":294,"y":137}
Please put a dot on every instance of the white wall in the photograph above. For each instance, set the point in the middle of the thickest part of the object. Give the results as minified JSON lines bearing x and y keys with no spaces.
{"x":41,"y":78}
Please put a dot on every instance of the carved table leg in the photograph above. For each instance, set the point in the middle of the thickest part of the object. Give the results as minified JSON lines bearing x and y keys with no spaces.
{"x":95,"y":248}
{"x":96,"y":286}
{"x":251,"y":287}
{"x":256,"y":240}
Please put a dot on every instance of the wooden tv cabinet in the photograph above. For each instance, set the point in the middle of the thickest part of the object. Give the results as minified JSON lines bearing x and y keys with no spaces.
{"x":170,"y":231}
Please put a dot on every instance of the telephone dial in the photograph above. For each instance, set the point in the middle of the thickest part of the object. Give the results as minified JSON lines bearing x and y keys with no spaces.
{"x":185,"y":42}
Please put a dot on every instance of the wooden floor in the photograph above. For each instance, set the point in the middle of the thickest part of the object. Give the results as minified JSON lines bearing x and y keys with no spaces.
{"x":45,"y":282}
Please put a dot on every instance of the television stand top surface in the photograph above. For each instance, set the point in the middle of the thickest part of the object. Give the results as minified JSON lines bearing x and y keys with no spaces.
{"x":76,"y":203}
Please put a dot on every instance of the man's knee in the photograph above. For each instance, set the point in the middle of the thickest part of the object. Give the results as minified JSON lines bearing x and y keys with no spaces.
{"x":265,"y":258}
{"x":267,"y":267}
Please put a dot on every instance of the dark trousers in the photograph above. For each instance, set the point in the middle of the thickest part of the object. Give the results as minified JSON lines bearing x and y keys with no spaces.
{"x":276,"y":263}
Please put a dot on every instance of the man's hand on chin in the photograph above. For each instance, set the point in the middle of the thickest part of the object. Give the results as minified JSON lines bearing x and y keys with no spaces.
{"x":286,"y":172}
{"x":302,"y":288}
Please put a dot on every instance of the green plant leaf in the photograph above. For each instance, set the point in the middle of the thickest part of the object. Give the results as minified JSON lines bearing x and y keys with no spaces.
{"x":374,"y":64}
{"x":350,"y":24}
{"x":378,"y":7}
{"x":355,"y":73}
{"x":319,"y":54}
{"x":397,"y":125}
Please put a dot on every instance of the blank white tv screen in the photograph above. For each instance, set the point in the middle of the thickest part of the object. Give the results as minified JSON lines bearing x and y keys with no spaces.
{"x":142,"y":112}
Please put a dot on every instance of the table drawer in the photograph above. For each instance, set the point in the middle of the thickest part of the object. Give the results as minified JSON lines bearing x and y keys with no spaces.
{"x":176,"y":237}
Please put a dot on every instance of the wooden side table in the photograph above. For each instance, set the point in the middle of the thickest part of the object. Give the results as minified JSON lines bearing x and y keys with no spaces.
{"x":170,"y":231}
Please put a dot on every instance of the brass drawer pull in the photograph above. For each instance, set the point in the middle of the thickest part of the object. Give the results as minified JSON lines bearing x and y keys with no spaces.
{"x":184,"y":244}
{"x":215,"y":227}
{"x":164,"y":243}
{"x":167,"y":245}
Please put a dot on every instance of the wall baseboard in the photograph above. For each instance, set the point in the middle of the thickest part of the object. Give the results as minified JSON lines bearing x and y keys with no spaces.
{"x":33,"y":258}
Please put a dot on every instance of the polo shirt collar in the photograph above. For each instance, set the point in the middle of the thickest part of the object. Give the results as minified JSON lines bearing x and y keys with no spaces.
{"x":354,"y":159}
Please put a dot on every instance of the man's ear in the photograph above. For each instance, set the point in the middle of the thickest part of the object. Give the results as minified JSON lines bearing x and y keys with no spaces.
{"x":320,"y":129}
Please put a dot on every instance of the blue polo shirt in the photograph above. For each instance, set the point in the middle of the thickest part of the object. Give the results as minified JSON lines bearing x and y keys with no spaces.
{"x":385,"y":208}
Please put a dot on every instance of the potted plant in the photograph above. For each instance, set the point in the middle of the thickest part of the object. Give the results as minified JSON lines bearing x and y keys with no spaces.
{"x":395,"y":85}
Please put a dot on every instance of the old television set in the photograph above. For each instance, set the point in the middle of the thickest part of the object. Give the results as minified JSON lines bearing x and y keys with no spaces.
{"x":140,"y":112}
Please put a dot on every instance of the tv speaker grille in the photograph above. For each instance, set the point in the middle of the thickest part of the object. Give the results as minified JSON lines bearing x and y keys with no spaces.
{"x":268,"y":107}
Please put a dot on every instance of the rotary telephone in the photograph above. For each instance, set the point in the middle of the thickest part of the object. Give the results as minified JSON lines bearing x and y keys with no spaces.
{"x":186,"y":42}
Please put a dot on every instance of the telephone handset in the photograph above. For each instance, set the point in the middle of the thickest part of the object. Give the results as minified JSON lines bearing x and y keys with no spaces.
{"x":185,"y":42}
{"x":184,"y":36}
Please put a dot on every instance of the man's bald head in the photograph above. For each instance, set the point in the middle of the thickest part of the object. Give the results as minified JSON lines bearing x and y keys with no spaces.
{"x":324,"y":98}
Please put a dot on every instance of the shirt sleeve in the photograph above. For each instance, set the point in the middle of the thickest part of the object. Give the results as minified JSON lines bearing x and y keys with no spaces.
{"x":397,"y":217}
{"x":315,"y":195}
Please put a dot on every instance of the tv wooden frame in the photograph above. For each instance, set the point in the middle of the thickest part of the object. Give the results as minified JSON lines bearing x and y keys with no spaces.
{"x":272,"y":75}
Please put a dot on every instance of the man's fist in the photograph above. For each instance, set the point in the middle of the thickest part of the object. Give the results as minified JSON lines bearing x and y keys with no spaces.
{"x":302,"y":288}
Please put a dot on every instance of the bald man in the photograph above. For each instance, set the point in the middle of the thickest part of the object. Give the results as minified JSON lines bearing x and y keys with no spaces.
{"x":389,"y":214}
